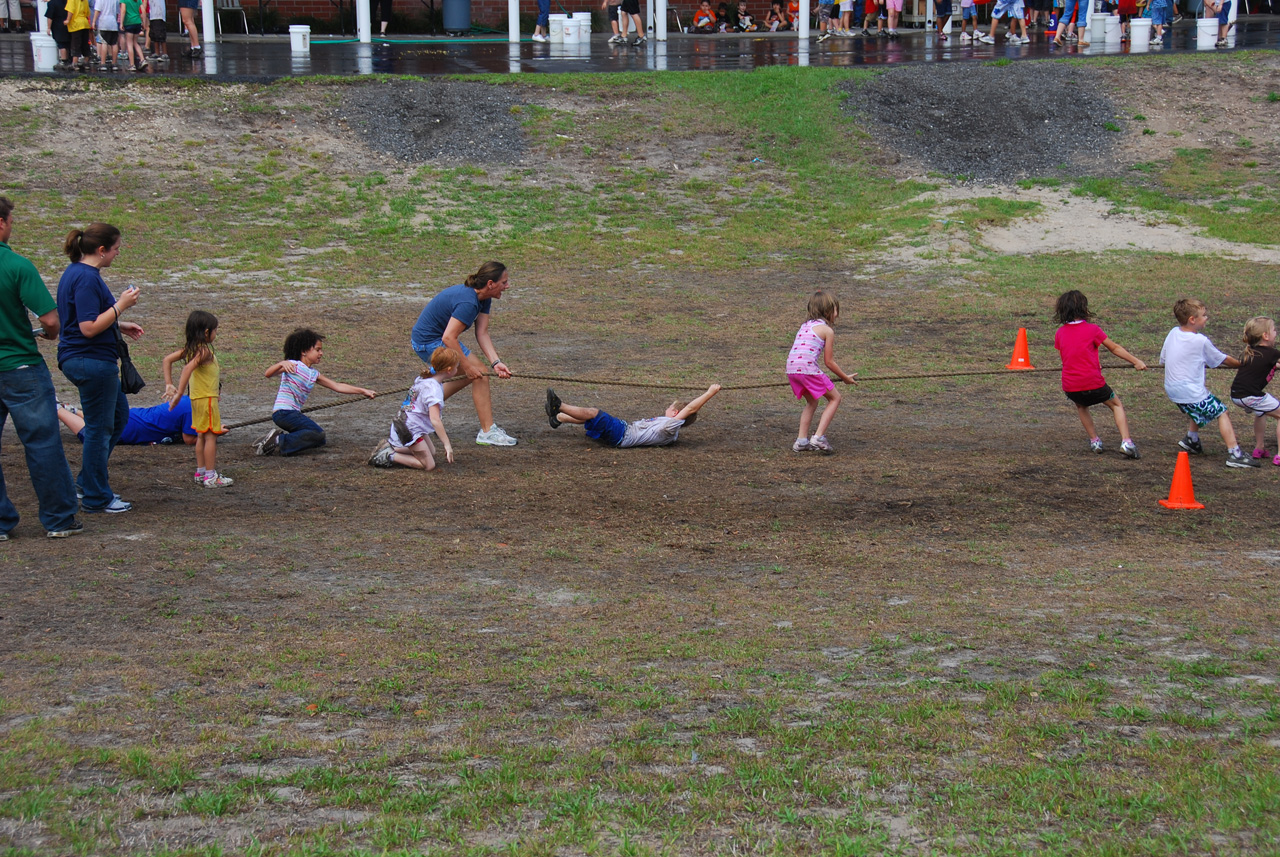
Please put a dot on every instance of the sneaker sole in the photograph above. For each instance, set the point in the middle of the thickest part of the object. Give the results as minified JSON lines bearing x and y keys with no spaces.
{"x":1241,"y":465}
{"x":491,"y":443}
{"x":1191,"y":450}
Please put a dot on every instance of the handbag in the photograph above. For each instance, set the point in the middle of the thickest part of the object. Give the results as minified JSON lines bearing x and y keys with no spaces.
{"x":130,"y":379}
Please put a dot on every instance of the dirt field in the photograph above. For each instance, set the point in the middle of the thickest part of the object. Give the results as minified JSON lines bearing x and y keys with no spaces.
{"x":961,"y":633}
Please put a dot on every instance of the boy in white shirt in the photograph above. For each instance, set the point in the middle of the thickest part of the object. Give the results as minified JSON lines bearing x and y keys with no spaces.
{"x":1186,"y":353}
{"x":611,"y":431}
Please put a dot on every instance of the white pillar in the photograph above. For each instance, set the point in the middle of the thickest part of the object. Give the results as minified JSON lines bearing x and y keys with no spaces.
{"x":364,"y":59}
{"x":364,"y":26}
{"x":660,"y":23}
{"x":209,"y":22}
{"x":803,"y":29}
{"x":513,"y":20}
{"x":40,"y":21}
{"x":648,"y":17}
{"x":930,"y":14}
{"x":513,"y":58}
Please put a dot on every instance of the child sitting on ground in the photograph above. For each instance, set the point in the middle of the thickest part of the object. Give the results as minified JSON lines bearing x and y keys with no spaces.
{"x":704,"y":20}
{"x":776,"y":20}
{"x":746,"y":24}
{"x":295,"y":431}
{"x":1249,"y":389}
{"x":611,"y":431}
{"x":1186,"y":353}
{"x":410,"y":442}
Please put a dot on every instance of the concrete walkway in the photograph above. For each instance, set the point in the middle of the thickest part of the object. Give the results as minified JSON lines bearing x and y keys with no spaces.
{"x":269,"y":57}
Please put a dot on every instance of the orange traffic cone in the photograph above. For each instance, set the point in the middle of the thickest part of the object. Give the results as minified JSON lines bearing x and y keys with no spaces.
{"x":1021,"y":357}
{"x":1181,"y":494}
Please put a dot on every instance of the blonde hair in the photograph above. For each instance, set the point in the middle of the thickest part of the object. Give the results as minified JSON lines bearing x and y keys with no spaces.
{"x":1254,"y":329}
{"x":442,"y":360}
{"x":1186,"y":309}
{"x":823,"y":305}
{"x":680,"y":406}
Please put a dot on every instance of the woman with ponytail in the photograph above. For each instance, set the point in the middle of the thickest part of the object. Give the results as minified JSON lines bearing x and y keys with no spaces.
{"x":88,"y":355}
{"x":447,"y":317}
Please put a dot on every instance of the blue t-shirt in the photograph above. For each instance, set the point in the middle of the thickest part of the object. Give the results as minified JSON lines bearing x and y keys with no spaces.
{"x":458,"y":302}
{"x":83,"y":296}
{"x":156,"y":424}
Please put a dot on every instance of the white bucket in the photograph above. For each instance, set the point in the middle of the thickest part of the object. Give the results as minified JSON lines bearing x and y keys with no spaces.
{"x":1139,"y":33}
{"x":556,"y":25}
{"x":300,"y":38}
{"x":584,"y":26}
{"x":44,"y":50}
{"x":1097,"y":27}
{"x":572,"y":30}
{"x":1113,"y":30}
{"x":1206,"y":33}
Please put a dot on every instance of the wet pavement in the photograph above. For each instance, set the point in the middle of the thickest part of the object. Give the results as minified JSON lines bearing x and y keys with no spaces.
{"x":270,"y":57}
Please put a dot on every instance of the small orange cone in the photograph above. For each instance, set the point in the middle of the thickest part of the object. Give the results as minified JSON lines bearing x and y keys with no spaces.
{"x":1021,"y":356}
{"x":1181,"y":494}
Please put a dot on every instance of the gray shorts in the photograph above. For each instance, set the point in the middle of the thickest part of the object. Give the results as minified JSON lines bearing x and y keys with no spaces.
{"x":1258,"y":406}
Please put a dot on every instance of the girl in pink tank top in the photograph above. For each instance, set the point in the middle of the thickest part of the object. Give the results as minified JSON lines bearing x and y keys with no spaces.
{"x":808,"y":380}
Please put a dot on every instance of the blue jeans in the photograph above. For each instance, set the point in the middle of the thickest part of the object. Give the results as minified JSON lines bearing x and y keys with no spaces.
{"x":106,"y":411}
{"x":1069,"y":12}
{"x":26,"y":394}
{"x":303,"y":433}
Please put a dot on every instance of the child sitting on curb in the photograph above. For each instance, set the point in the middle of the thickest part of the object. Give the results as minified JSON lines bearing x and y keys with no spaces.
{"x":611,"y":431}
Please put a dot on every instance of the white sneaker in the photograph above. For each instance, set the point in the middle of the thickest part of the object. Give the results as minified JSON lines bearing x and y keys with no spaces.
{"x":616,"y":39}
{"x":267,"y":445}
{"x":986,"y":39}
{"x":495,"y":437}
{"x":965,"y":37}
{"x":217,"y":480}
{"x":538,"y":37}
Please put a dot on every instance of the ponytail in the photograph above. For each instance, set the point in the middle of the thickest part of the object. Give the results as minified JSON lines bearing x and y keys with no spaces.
{"x":489,"y":271}
{"x":81,"y":242}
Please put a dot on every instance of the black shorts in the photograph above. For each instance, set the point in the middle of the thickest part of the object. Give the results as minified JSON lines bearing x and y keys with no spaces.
{"x":111,"y":37}
{"x":1089,"y":398}
{"x":631,"y":7}
{"x":159,"y":31}
{"x":133,"y":29}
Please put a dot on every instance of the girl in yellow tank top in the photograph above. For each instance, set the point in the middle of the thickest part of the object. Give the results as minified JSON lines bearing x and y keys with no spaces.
{"x":201,"y":374}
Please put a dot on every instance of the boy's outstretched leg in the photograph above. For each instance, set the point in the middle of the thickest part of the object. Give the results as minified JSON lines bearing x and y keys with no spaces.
{"x":553,"y":408}
{"x":558,"y":412}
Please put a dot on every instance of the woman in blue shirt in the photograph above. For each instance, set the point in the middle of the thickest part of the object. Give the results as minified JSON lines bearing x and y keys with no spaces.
{"x":88,"y":355}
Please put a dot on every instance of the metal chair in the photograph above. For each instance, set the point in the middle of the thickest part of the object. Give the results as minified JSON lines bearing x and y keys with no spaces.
{"x":231,"y":6}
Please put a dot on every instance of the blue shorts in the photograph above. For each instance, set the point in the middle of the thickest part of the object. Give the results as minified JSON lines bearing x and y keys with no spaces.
{"x":427,"y":350}
{"x":969,"y":13}
{"x":1205,"y":412}
{"x":1224,"y":15}
{"x":605,"y":428}
{"x":942,"y":8}
{"x":1012,"y":8}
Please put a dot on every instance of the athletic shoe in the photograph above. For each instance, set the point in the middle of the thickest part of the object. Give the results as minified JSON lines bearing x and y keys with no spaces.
{"x":893,"y":34}
{"x":217,"y":480}
{"x":1096,"y":446}
{"x":819,"y":444}
{"x":69,"y":408}
{"x":866,"y":34}
{"x":75,"y":527}
{"x":382,"y":455}
{"x":942,"y":37}
{"x":495,"y":437}
{"x":80,"y":495}
{"x":1260,"y":452}
{"x":637,"y":41}
{"x":1221,"y":43}
{"x":4,"y":537}
{"x":1192,"y":446}
{"x":1177,"y":18}
{"x":1072,"y":39}
{"x":986,"y":39}
{"x":1239,"y":459}
{"x":553,"y":408}
{"x":269,"y":443}
{"x":801,"y":445}
{"x":615,"y":39}
{"x":1130,"y":450}
{"x":824,"y":37}
{"x":198,"y":478}
{"x":115,"y":507}
{"x":538,"y":37}
{"x":966,"y":38}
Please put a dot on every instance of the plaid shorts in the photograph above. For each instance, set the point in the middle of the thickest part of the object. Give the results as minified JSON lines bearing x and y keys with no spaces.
{"x":1204,"y":412}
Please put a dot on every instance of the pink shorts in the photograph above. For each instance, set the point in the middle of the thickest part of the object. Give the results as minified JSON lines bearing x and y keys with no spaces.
{"x":895,"y":5}
{"x":815,"y":386}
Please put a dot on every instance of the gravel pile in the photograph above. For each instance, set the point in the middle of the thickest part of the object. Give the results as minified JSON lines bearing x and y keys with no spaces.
{"x":430,"y":120}
{"x":986,"y":121}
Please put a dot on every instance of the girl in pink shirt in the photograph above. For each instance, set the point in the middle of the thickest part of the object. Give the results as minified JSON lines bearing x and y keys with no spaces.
{"x":1078,"y":340}
{"x":808,"y":380}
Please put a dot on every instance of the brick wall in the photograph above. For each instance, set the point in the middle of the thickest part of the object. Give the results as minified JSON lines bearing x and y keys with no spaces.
{"x":487,"y":12}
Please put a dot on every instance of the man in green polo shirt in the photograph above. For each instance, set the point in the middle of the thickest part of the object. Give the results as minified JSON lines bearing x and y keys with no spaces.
{"x":26,"y":391}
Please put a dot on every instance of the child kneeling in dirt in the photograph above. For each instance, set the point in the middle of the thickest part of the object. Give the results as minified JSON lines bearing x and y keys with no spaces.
{"x":611,"y":431}
{"x":410,"y":442}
